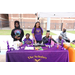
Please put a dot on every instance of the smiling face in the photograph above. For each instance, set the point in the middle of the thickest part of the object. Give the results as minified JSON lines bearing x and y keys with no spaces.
{"x":27,"y":36}
{"x":37,"y":25}
{"x":47,"y":34}
{"x":60,"y":38}
{"x":17,"y":25}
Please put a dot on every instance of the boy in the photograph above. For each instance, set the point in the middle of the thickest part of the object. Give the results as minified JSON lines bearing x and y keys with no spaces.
{"x":47,"y":39}
{"x":60,"y":40}
{"x":17,"y":33}
{"x":27,"y":40}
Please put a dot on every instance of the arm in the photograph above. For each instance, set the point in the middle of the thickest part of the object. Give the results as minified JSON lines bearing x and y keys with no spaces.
{"x":34,"y":37}
{"x":53,"y":40}
{"x":42,"y":31}
{"x":62,"y":34}
{"x":22,"y":34}
{"x":12,"y":34}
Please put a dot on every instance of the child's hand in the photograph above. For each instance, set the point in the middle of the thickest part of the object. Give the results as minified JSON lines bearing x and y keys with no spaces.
{"x":50,"y":37}
{"x":16,"y":37}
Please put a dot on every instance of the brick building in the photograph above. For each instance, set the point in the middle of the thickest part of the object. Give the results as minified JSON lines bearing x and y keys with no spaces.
{"x":4,"y":20}
{"x":27,"y":21}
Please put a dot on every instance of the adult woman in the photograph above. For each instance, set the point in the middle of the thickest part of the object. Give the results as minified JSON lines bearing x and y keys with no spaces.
{"x":37,"y":33}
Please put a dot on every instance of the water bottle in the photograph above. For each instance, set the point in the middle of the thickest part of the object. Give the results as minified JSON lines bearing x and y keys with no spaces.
{"x":62,"y":45}
{"x":57,"y":45}
{"x":23,"y":42}
{"x":49,"y":46}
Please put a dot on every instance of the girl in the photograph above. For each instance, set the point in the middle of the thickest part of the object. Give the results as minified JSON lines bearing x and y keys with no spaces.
{"x":37,"y":33}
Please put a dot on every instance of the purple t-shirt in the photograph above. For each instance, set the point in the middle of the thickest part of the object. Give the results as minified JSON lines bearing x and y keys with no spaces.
{"x":27,"y":41}
{"x":38,"y":35}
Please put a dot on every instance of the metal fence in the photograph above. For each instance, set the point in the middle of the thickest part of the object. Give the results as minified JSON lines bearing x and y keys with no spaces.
{"x":30,"y":25}
{"x":53,"y":26}
{"x":0,"y":24}
{"x":70,"y":26}
{"x":4,"y":24}
{"x":56,"y":26}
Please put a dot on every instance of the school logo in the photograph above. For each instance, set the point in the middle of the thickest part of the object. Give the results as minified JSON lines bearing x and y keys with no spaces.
{"x":38,"y":31}
{"x":37,"y":60}
{"x":27,"y":41}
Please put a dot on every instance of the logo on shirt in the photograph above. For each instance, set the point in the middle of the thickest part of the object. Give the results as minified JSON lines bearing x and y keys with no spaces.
{"x":17,"y":32}
{"x":38,"y":31}
{"x":27,"y":41}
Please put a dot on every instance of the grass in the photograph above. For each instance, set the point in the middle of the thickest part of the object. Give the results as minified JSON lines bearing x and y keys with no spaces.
{"x":73,"y":32}
{"x":8,"y":32}
{"x":5,"y":32}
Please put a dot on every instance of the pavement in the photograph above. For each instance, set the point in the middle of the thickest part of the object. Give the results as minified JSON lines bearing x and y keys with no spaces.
{"x":4,"y":38}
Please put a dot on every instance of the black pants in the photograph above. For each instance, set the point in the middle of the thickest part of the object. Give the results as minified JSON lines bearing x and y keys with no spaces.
{"x":67,"y":40}
{"x":39,"y":42}
{"x":73,"y":41}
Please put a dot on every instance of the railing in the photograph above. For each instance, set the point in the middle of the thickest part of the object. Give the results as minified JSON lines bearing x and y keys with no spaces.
{"x":70,"y":26}
{"x":30,"y":25}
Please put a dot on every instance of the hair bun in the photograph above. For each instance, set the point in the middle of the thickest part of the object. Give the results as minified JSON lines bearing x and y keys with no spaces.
{"x":48,"y":30}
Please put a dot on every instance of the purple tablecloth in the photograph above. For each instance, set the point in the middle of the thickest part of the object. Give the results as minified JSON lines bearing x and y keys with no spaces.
{"x":47,"y":55}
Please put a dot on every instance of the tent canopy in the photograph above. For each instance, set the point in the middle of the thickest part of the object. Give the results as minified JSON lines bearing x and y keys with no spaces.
{"x":55,"y":14}
{"x":48,"y":15}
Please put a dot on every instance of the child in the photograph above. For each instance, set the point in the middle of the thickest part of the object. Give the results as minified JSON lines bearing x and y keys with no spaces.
{"x":17,"y":33}
{"x":47,"y":39}
{"x":27,"y":40}
{"x":59,"y":40}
